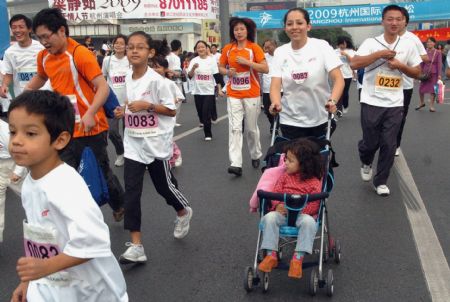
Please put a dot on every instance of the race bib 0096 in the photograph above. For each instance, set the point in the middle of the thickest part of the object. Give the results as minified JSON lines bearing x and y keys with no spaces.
{"x":241,"y":81}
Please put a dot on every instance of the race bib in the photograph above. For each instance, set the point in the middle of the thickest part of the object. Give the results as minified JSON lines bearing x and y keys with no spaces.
{"x":141,"y":124}
{"x":40,"y":242}
{"x":241,"y":81}
{"x":388,"y":82}
{"x":25,"y":75}
{"x":118,"y":80}
{"x":203,"y":80}
{"x":73,"y":101}
{"x":299,"y":77}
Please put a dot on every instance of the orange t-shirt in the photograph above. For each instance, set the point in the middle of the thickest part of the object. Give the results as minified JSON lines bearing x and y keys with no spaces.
{"x":65,"y":80}
{"x":245,"y":84}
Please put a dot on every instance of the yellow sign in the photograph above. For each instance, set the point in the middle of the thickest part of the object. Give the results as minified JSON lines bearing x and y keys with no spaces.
{"x":211,"y":31}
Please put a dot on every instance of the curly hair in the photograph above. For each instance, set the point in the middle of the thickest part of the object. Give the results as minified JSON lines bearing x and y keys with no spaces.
{"x":248,"y":23}
{"x":308,"y":155}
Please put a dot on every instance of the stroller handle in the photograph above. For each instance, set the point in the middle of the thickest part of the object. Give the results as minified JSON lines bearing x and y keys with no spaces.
{"x":292,"y":197}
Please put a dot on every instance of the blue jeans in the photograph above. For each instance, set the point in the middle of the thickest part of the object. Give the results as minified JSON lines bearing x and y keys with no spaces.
{"x":271,"y":235}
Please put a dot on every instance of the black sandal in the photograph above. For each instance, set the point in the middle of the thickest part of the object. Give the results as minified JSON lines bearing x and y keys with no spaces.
{"x":420,"y":107}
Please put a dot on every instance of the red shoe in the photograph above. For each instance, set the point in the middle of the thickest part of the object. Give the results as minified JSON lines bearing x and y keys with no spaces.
{"x":295,"y":268}
{"x":268,"y":264}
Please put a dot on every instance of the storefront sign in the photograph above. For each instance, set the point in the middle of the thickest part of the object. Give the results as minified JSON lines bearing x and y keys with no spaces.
{"x":351,"y":15}
{"x":211,"y":31}
{"x":161,"y":28}
{"x":76,"y":10}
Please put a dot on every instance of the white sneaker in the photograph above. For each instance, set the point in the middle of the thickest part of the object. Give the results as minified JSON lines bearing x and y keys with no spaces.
{"x":344,"y":110}
{"x":200,"y":125}
{"x":397,"y":151}
{"x":366,"y":172}
{"x":177,"y":125}
{"x":178,"y":161}
{"x":208,"y":138}
{"x":182,"y":224}
{"x":133,"y":254}
{"x":119,"y":161}
{"x":382,"y":190}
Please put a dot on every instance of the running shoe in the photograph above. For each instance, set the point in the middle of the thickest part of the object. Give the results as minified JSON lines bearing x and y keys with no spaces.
{"x":383,"y":190}
{"x":182,"y":224}
{"x":366,"y":172}
{"x":120,"y":160}
{"x":134,"y":254}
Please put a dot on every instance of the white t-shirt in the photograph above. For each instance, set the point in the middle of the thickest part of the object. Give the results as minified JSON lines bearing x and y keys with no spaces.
{"x":174,"y":90}
{"x":217,"y":57}
{"x":115,"y":73}
{"x":408,"y":83}
{"x":21,"y":63}
{"x":346,"y":70}
{"x":62,"y":217}
{"x":174,"y":62}
{"x":448,"y":60}
{"x":203,"y":78}
{"x":4,"y":150}
{"x":150,"y":134}
{"x":267,"y":77}
{"x":382,"y":86}
{"x":304,"y":76}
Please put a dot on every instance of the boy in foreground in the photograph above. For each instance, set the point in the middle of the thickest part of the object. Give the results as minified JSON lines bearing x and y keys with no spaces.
{"x":67,"y":247}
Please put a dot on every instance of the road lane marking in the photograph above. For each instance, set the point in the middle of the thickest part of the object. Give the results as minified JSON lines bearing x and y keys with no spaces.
{"x":432,"y":258}
{"x":193,"y":130}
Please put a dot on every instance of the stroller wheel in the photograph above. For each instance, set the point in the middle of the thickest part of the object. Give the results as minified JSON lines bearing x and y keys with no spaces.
{"x":249,"y":277}
{"x":265,"y":282}
{"x":330,"y":283}
{"x":337,"y":252}
{"x":313,"y":282}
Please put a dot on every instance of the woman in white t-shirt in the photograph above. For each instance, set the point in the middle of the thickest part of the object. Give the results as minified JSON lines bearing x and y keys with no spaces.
{"x":203,"y":71}
{"x":302,"y":68}
{"x":345,"y":52}
{"x":149,"y":121}
{"x":115,"y":68}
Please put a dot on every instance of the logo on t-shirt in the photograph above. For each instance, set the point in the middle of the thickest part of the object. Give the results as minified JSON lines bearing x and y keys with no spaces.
{"x":45,"y":213}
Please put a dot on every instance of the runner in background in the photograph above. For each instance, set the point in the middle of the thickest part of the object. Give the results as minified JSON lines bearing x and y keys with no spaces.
{"x":269,"y":47}
{"x":408,"y":83}
{"x":345,"y":51}
{"x":241,"y":61}
{"x":115,"y":68}
{"x":216,"y":54}
{"x":175,"y":71}
{"x":19,"y":62}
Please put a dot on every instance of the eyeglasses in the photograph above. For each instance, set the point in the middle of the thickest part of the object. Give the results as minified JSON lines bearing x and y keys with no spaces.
{"x":44,"y":37}
{"x":138,"y":47}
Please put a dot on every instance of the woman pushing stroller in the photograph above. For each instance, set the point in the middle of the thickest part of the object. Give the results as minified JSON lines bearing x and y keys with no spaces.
{"x":302,"y":175}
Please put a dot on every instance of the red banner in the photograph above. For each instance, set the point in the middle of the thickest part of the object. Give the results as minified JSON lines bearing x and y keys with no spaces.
{"x":440,"y":34}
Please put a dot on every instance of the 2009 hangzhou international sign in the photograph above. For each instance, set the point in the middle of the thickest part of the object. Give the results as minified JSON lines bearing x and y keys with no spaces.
{"x":79,"y":10}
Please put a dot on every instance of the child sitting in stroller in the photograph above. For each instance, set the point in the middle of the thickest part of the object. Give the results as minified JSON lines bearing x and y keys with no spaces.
{"x":303,"y":174}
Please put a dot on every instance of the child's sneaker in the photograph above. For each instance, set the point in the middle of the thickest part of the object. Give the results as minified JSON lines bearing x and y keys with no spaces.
{"x":295,"y":268}
{"x":269,"y":262}
{"x":134,"y":254}
{"x":182,"y":224}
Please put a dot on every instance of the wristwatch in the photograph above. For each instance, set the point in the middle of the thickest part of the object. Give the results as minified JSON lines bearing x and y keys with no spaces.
{"x":333,"y":101}
{"x":151,"y":108}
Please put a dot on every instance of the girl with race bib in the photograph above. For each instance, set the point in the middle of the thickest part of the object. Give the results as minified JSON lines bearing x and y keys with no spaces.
{"x":149,"y":121}
{"x":241,"y":60}
{"x":303,"y":68}
{"x":203,"y":72}
{"x":115,"y":68}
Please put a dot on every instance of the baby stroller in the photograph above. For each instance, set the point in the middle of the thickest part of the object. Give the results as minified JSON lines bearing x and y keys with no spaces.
{"x":329,"y":248}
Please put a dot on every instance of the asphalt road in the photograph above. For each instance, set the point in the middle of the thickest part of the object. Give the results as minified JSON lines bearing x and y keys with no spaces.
{"x":380,"y":259}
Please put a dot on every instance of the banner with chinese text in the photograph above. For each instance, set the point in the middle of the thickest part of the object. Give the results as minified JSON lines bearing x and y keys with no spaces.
{"x":79,"y":10}
{"x":351,"y":15}
{"x":211,"y":31}
{"x":440,"y":34}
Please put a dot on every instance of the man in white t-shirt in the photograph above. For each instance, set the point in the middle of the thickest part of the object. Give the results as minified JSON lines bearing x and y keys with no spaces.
{"x":408,"y":83}
{"x":385,"y":58}
{"x":174,"y":71}
{"x":447,"y":71}
{"x":19,"y":62}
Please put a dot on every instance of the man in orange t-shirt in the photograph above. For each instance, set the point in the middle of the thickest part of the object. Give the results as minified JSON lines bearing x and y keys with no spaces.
{"x":73,"y":71}
{"x":244,"y":60}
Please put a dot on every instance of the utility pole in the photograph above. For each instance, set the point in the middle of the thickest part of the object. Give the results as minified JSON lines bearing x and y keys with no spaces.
{"x":224,"y":17}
